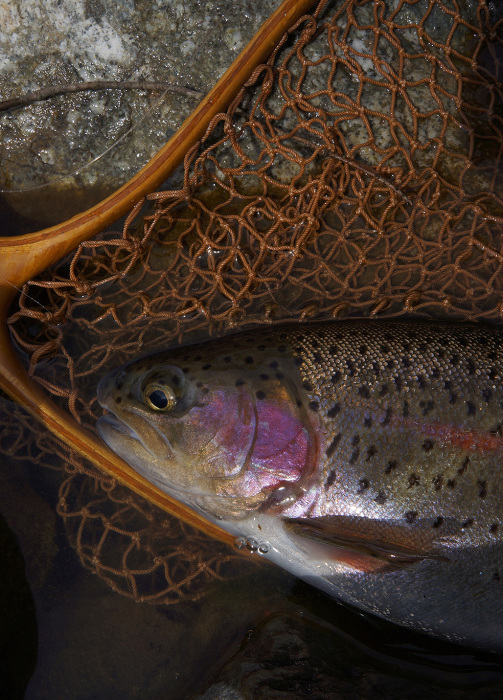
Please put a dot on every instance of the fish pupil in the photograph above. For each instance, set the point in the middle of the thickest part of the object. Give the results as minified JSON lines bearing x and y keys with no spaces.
{"x":158,"y":399}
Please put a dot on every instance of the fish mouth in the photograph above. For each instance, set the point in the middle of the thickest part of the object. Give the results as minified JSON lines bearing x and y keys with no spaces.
{"x":109,"y":425}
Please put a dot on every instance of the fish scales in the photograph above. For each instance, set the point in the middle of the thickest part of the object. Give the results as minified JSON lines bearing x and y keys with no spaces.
{"x":413,"y":416}
{"x":364,"y":455}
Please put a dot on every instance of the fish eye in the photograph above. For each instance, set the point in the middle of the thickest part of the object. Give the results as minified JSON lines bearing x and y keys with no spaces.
{"x":159,"y":397}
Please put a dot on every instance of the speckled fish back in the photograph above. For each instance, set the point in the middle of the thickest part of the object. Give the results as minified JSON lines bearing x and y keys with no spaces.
{"x":413,"y":416}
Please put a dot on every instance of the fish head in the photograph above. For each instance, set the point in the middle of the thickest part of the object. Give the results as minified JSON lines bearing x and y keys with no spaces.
{"x":221,"y":435}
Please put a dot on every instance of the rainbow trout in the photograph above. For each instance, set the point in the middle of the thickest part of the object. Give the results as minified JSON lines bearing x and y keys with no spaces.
{"x":363,"y":456}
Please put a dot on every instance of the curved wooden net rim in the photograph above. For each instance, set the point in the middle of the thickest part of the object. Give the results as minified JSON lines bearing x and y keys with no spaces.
{"x":23,"y":257}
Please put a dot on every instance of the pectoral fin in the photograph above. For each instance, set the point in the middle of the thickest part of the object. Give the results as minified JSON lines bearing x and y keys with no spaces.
{"x":366,"y":544}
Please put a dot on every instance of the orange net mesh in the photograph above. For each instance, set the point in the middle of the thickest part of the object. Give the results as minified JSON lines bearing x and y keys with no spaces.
{"x":357,"y":173}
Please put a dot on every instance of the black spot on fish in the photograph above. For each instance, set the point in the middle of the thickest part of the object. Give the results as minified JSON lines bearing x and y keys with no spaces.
{"x":438,"y":521}
{"x":405,"y":410}
{"x":333,"y":445}
{"x":279,"y":375}
{"x":427,"y":445}
{"x":438,"y":482}
{"x":390,"y":364}
{"x":317,"y":357}
{"x":390,"y":466}
{"x":410,"y":516}
{"x":387,"y":417}
{"x":447,"y":384}
{"x":427,"y":406}
{"x":260,"y":394}
{"x":205,"y":390}
{"x":406,"y":347}
{"x":199,"y":384}
{"x":470,"y":408}
{"x":496,"y":576}
{"x":367,"y":422}
{"x":470,"y":365}
{"x":307,"y":385}
{"x":492,"y":374}
{"x":482,"y":488}
{"x":206,"y":366}
{"x":118,"y":399}
{"x":487,"y":395}
{"x":330,"y":479}
{"x":264,"y":377}
{"x":227,"y":358}
{"x":356,"y":439}
{"x":435,"y":373}
{"x":467,"y":523}
{"x":274,"y":365}
{"x":421,"y":381}
{"x":464,"y":466}
{"x":314,"y":342}
{"x":482,"y":340}
{"x":249,"y":360}
{"x":463,"y":342}
{"x":440,"y":353}
{"x":405,"y":362}
{"x":384,"y":348}
{"x":453,"y":398}
{"x":354,"y":455}
{"x":334,"y":410}
{"x":197,"y":358}
{"x":454,"y":360}
{"x":451,"y":483}
{"x":299,"y":403}
{"x":371,"y":451}
{"x":239,"y":382}
{"x":413,"y":481}
{"x":381,"y":498}
{"x":497,"y":430}
{"x":363,"y":484}
{"x":383,"y":390}
{"x":377,"y":368}
{"x":351,"y":367}
{"x":335,"y":377}
{"x":298,"y":361}
{"x":130,"y":395}
{"x":333,"y":350}
{"x":398,"y":383}
{"x":314,"y":405}
{"x":494,"y":527}
{"x":364,"y":392}
{"x":363,"y":349}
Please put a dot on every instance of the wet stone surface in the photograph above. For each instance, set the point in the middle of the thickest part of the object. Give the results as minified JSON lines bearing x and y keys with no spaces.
{"x":49,"y":43}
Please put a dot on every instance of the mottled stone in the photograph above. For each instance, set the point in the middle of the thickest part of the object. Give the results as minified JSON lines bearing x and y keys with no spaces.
{"x":46,"y":43}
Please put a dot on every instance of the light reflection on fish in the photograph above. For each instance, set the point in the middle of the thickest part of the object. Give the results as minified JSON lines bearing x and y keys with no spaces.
{"x":363,"y":456}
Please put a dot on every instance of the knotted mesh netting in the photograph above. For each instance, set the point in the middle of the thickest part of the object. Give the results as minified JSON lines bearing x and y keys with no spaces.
{"x":357,"y":173}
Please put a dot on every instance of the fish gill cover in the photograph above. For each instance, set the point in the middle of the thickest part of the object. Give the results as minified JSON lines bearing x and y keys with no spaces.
{"x":357,"y":173}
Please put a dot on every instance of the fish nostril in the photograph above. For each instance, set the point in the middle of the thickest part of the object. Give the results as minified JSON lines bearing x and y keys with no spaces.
{"x":119,"y":380}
